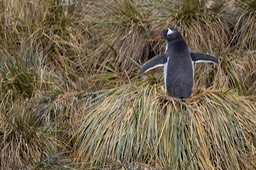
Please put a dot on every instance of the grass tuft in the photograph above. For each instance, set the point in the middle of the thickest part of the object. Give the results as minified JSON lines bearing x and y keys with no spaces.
{"x":71,"y":95}
{"x":244,"y":36}
{"x":26,"y":135}
{"x":194,"y":20}
{"x":137,"y":125}
{"x":238,"y":70}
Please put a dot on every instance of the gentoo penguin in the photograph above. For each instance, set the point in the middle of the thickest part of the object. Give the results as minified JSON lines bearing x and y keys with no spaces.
{"x":178,"y":62}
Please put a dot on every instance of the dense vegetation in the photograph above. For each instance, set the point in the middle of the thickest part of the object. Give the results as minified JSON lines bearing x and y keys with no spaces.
{"x":71,"y":96}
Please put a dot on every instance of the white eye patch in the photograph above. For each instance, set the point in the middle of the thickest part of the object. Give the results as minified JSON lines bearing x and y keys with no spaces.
{"x":170,"y":31}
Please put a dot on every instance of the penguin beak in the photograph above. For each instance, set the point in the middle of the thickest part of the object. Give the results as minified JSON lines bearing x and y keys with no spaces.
{"x":159,"y":37}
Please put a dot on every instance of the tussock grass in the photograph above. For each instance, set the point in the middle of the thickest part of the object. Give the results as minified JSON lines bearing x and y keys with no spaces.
{"x":244,"y":35}
{"x":124,"y":26}
{"x":71,"y":96}
{"x":27,"y":134}
{"x":194,"y":20}
{"x":238,"y":71}
{"x":135,"y":125}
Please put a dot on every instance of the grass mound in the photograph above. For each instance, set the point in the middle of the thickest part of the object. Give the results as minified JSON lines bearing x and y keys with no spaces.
{"x":136,"y":127}
{"x":26,"y":133}
{"x":71,"y":96}
{"x":244,"y":36}
{"x":194,"y":20}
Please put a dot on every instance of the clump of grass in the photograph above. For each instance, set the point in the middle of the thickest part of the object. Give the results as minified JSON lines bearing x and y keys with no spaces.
{"x":25,"y":74}
{"x":203,"y":28}
{"x":43,"y":44}
{"x":17,"y":79}
{"x":26,"y":135}
{"x":237,"y":72}
{"x":136,"y":126}
{"x":205,"y":74}
{"x":37,"y":132}
{"x":244,"y":35}
{"x":122,"y":33}
{"x":69,"y":97}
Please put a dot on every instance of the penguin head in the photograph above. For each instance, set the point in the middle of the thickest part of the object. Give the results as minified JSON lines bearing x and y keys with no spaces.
{"x":169,"y":34}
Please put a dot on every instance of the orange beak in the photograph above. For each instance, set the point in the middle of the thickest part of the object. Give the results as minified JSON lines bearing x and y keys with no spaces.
{"x":158,"y":37}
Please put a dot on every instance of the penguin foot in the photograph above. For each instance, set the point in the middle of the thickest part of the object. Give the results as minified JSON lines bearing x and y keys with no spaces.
{"x":182,"y":99}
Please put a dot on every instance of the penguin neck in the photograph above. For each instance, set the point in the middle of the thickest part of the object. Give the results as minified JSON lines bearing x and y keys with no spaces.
{"x":177,"y":41}
{"x":178,"y":44}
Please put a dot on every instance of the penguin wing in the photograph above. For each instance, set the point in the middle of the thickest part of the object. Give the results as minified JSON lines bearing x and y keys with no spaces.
{"x":202,"y":57}
{"x":153,"y":63}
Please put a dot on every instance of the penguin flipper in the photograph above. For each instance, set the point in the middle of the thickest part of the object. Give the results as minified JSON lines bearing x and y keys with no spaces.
{"x":153,"y":63}
{"x":202,"y":57}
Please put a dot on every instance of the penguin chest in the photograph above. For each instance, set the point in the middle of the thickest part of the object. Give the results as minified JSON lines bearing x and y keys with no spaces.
{"x":178,"y":75}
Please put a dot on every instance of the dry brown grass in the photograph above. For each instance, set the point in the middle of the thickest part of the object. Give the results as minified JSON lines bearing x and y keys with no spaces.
{"x":71,"y":96}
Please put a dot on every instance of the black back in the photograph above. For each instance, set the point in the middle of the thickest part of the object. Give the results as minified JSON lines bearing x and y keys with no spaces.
{"x":179,"y":79}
